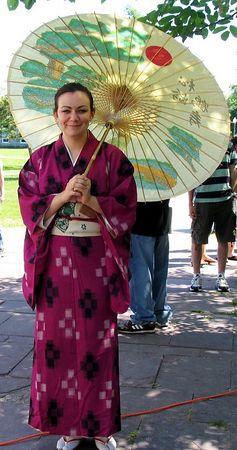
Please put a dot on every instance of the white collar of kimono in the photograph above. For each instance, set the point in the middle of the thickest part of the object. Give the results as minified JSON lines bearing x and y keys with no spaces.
{"x":70,"y":155}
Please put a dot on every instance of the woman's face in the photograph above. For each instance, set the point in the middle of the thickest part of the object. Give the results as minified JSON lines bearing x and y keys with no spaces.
{"x":73,"y":114}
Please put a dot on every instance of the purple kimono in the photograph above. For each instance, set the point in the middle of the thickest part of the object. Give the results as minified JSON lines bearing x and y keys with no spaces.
{"x":77,"y":285}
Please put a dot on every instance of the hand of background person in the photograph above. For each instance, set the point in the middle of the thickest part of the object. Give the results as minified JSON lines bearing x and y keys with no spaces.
{"x":192,"y":211}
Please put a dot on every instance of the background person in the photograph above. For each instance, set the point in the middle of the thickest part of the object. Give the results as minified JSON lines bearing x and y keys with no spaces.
{"x":76,"y":257}
{"x":149,"y":268}
{"x":212,"y":203}
{"x":231,"y":245}
{"x":205,"y":258}
{"x":231,"y":248}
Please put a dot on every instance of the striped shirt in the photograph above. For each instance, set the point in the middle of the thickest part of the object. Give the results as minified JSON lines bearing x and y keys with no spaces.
{"x":217,"y":188}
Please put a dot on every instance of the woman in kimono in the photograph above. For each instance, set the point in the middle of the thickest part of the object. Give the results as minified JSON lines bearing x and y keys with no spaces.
{"x":76,"y":257}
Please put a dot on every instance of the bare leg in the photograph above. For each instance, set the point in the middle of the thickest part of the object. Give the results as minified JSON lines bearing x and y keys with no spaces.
{"x":205,"y":257}
{"x":230,"y":249}
{"x":196,"y":256}
{"x":222,"y":251}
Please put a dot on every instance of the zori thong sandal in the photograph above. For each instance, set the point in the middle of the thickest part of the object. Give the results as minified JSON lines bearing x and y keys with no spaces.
{"x":63,"y":444}
{"x":109,"y":445}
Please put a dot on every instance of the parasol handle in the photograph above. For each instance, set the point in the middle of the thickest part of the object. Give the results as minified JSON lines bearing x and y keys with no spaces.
{"x":109,"y":126}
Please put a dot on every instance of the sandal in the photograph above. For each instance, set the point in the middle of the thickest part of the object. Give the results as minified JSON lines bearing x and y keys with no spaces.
{"x":109,"y":445}
{"x":62,"y":444}
{"x":208,"y":259}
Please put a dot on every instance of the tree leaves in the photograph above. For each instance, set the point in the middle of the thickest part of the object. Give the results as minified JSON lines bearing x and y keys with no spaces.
{"x":195,"y":17}
{"x":29,"y":3}
{"x":184,"y":18}
{"x":7,"y":124}
{"x":232,"y":101}
{"x":233,"y":30}
{"x":225,"y":35}
{"x":219,"y":29}
{"x":204,"y":33}
{"x":12,"y":4}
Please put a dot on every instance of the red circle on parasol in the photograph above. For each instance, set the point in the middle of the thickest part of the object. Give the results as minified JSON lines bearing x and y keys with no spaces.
{"x":159,"y":55}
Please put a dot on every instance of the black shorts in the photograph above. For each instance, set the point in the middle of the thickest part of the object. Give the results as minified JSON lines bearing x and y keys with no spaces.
{"x":220,"y":215}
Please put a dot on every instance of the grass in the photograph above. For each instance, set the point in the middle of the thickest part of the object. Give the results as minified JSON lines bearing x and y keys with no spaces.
{"x":221,"y":424}
{"x":13,"y":160}
{"x":132,"y":436}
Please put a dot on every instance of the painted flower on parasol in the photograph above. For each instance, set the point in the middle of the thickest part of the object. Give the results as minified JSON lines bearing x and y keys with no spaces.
{"x":163,"y":107}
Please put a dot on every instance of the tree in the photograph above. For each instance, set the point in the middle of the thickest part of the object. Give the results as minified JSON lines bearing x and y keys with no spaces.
{"x":7,"y":124}
{"x":184,"y":18}
{"x":232,"y":102}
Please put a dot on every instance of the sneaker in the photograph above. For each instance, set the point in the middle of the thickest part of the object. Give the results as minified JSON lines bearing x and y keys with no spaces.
{"x":136,"y":328}
{"x":109,"y":445}
{"x":163,"y":319}
{"x":196,"y":283}
{"x":221,"y":284}
{"x":62,"y":444}
{"x":164,"y":324}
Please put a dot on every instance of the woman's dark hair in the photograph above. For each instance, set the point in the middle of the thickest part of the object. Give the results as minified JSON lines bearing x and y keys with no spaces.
{"x":72,"y":87}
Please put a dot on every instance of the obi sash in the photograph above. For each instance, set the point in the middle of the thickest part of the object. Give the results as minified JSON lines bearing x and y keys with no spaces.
{"x":77,"y":224}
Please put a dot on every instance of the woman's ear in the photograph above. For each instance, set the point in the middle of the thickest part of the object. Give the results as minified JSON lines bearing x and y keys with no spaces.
{"x":55,"y":114}
{"x":92,"y":114}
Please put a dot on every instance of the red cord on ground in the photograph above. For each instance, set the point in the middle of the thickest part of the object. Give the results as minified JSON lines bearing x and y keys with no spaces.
{"x":138,"y":413}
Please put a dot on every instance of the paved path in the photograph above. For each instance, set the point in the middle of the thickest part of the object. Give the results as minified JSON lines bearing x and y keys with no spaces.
{"x":196,"y":356}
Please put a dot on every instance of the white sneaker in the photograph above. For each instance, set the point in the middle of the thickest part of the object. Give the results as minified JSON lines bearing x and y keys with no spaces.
{"x":221,"y":283}
{"x":109,"y":445}
{"x":196,"y":283}
{"x":62,"y":444}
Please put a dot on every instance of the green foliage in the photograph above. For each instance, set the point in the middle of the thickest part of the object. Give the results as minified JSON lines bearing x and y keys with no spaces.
{"x":7,"y":124}
{"x":233,"y":30}
{"x":194,"y":17}
{"x":133,"y":436}
{"x":232,"y":102}
{"x":225,"y":35}
{"x":184,"y":18}
{"x":13,"y":160}
{"x":29,"y":3}
{"x":12,"y":4}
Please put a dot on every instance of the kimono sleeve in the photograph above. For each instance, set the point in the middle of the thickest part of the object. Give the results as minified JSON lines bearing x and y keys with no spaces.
{"x":119,"y":205}
{"x":119,"y":213}
{"x":33,"y":203}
